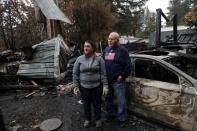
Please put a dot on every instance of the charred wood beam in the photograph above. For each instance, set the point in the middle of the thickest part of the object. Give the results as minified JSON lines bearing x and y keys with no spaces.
{"x":175,"y":28}
{"x":20,"y":87}
{"x":164,"y":16}
{"x":158,"y":26}
{"x":59,"y":29}
{"x":49,"y":29}
{"x":158,"y":29}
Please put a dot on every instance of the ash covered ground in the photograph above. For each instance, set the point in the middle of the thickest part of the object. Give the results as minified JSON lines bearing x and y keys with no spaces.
{"x":26,"y":114}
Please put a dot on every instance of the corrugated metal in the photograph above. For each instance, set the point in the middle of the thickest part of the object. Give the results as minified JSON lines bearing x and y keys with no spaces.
{"x":51,"y":11}
{"x":45,"y":62}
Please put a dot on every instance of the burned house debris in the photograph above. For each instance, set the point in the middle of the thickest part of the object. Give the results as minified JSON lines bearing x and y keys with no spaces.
{"x":49,"y":56}
{"x":43,"y":64}
{"x":174,"y":40}
{"x":48,"y":62}
{"x":134,"y":44}
{"x":9,"y":66}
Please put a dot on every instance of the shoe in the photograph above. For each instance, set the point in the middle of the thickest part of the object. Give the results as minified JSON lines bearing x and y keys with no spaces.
{"x":86,"y":124}
{"x":123,"y":123}
{"x":109,"y":119}
{"x":98,"y":124}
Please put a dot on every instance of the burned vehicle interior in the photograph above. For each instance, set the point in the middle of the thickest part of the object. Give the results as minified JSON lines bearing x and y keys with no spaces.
{"x":151,"y":70}
{"x":185,"y":62}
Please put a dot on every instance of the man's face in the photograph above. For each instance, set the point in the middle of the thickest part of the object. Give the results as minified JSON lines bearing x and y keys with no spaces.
{"x":112,"y":40}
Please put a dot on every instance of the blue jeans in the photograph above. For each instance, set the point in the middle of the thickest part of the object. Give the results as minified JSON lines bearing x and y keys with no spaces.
{"x":117,"y":89}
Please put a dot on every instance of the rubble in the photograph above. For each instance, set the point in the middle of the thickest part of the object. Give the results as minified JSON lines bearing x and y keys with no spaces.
{"x":65,"y":88}
{"x":48,"y":62}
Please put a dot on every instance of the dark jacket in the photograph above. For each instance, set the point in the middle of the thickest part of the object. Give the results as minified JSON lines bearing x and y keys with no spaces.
{"x":117,"y":62}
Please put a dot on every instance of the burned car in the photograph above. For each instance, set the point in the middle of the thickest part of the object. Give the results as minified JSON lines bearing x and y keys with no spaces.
{"x":164,"y":88}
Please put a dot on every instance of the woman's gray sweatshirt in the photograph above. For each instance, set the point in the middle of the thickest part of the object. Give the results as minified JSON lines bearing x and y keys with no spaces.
{"x":89,"y":72}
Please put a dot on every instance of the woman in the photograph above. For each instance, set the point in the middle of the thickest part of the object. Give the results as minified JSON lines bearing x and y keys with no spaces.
{"x":89,"y":75}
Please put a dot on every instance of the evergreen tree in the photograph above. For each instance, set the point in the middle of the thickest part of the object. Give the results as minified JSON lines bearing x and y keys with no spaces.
{"x":179,"y":7}
{"x":128,"y":14}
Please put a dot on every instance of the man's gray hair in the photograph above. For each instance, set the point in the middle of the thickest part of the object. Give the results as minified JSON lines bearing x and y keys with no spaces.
{"x":115,"y":34}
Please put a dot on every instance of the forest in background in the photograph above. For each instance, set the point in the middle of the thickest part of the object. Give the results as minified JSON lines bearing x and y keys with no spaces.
{"x":92,"y":19}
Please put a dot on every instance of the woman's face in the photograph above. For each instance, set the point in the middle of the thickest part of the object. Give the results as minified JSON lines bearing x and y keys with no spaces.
{"x":88,"y":49}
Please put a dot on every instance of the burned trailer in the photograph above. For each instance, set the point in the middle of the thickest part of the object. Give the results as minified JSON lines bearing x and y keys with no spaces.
{"x":47,"y":64}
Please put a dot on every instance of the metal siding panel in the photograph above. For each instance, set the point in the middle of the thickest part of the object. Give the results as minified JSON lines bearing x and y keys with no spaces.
{"x":36,"y":65}
{"x":43,"y":70}
{"x":51,"y":11}
{"x":46,"y":56}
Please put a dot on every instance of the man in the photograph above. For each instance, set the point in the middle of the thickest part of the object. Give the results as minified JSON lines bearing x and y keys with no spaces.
{"x":118,"y":68}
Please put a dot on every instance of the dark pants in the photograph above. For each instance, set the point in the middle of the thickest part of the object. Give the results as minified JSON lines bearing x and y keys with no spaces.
{"x":92,"y":96}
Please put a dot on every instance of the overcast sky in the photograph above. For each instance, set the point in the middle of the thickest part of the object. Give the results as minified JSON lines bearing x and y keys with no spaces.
{"x":155,"y":4}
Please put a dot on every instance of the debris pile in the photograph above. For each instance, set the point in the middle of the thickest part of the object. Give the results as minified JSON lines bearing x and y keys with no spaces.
{"x":9,"y":63}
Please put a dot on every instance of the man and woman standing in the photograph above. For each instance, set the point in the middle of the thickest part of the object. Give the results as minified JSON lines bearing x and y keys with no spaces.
{"x":89,"y":74}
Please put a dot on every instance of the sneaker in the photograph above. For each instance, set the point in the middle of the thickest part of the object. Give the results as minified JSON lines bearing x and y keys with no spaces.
{"x":86,"y":124}
{"x":98,"y":124}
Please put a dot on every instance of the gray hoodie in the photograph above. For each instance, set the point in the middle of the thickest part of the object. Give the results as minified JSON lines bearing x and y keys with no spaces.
{"x":89,"y":72}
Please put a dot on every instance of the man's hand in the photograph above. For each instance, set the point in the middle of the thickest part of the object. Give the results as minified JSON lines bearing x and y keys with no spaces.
{"x":105,"y":90}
